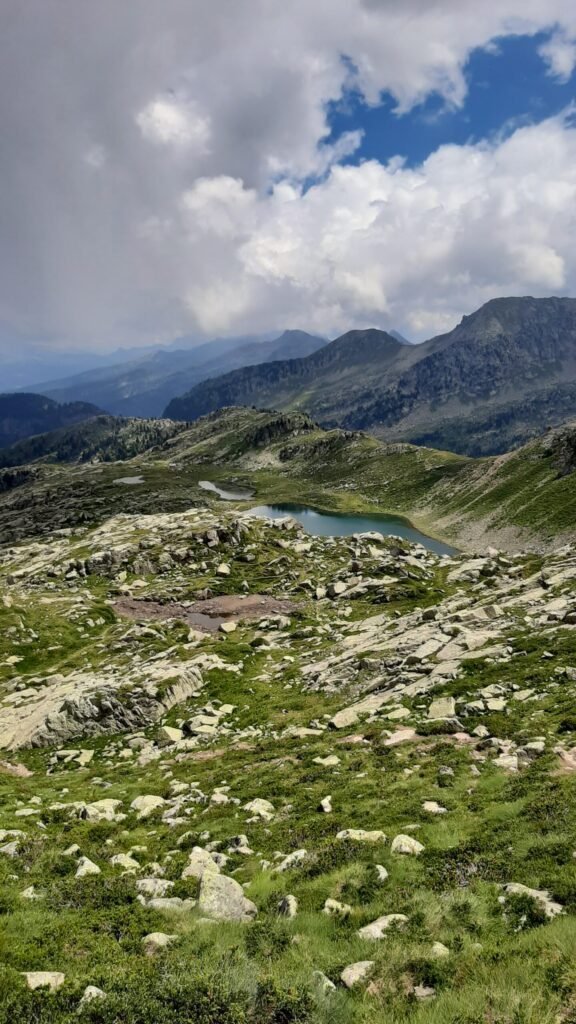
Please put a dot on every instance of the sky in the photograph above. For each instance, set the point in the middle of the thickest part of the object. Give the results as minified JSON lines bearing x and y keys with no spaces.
{"x":184,"y":168}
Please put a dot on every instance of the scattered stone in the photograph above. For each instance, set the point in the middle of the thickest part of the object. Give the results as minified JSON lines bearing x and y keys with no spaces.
{"x":44,"y":979}
{"x":288,"y":906}
{"x":222,"y":898}
{"x":355,"y":973}
{"x":407,"y":845}
{"x":378,"y":928}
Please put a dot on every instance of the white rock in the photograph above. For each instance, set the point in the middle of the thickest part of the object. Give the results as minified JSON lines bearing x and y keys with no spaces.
{"x":261,"y":808}
{"x":355,"y":973}
{"x":380,"y":926}
{"x":156,"y":941}
{"x":288,"y":906}
{"x":360,"y":835}
{"x":44,"y":979}
{"x":223,"y":898}
{"x":292,"y":860}
{"x":146,"y":805}
{"x":86,"y":867}
{"x":407,"y":845}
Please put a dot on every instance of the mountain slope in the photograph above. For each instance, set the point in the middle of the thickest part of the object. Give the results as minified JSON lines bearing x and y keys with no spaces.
{"x":101,"y":439}
{"x":319,"y":384}
{"x":22,"y":415}
{"x":144,"y":386}
{"x":466,"y":389}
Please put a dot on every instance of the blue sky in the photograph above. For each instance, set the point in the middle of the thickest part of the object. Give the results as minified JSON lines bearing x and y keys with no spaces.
{"x":508,"y":85}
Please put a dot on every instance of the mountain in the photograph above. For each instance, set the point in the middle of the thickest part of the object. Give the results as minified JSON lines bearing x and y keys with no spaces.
{"x":101,"y":439}
{"x":326,"y":384}
{"x":143,"y":386}
{"x":503,"y":374}
{"x":22,"y":415}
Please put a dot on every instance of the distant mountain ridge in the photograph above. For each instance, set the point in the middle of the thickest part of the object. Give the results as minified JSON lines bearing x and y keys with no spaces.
{"x":143,"y":386}
{"x":22,"y":415}
{"x":467,"y":390}
{"x":99,"y":439}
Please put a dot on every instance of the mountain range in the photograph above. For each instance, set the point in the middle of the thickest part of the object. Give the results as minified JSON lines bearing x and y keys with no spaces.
{"x":503,"y":374}
{"x":143,"y":386}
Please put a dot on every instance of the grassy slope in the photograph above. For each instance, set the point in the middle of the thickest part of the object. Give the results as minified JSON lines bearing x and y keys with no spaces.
{"x":514,"y":500}
{"x":498,"y":828}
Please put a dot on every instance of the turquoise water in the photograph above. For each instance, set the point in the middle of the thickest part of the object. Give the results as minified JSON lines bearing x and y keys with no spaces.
{"x":341,"y":524}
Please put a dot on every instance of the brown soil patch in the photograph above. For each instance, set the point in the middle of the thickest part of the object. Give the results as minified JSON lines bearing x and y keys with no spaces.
{"x":206,"y":615}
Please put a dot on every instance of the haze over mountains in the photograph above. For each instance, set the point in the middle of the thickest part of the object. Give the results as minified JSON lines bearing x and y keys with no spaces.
{"x":503,"y":374}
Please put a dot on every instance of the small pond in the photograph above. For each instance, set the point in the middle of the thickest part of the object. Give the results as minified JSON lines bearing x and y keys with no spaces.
{"x":342,"y":524}
{"x":229,"y":493}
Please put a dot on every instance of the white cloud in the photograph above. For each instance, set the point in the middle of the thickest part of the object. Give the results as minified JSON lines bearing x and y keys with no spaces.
{"x":153,"y":182}
{"x":559,"y":52}
{"x":176,"y":123}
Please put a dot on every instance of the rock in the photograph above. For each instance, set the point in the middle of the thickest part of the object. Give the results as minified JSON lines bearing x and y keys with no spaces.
{"x":153,"y":887}
{"x":540,"y":896}
{"x":223,"y":569}
{"x":44,"y":979}
{"x":439,"y":950}
{"x":86,"y":867}
{"x":223,"y":898}
{"x":336,"y":909}
{"x":322,"y":984}
{"x":344,"y":719}
{"x":380,"y":926}
{"x":509,"y":762}
{"x":400,"y":736}
{"x":431,"y":807}
{"x":355,"y":973}
{"x":360,"y":835}
{"x":441,"y":708}
{"x":124,"y":860}
{"x":167,"y":735}
{"x":381,"y":872}
{"x":327,"y":762}
{"x":91,"y":992}
{"x":199,"y":861}
{"x":288,"y":906}
{"x":146,"y":805}
{"x":407,"y":845}
{"x":326,"y":805}
{"x":336,"y":589}
{"x":422,"y":992}
{"x":261,"y":808}
{"x":172,"y":904}
{"x":227,"y":627}
{"x":292,"y":860}
{"x":156,"y":941}
{"x":100,"y":810}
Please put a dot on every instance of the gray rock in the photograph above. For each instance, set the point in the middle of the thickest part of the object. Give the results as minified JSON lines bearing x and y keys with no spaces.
{"x":223,"y":898}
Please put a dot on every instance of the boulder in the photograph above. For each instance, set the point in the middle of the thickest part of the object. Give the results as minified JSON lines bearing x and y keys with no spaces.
{"x":44,"y":979}
{"x":361,"y":835}
{"x":155,"y":941}
{"x":288,"y":906}
{"x":380,"y":926}
{"x":199,"y":861}
{"x":223,"y":898}
{"x":355,"y":973}
{"x":146,"y":805}
{"x":407,"y":845}
{"x":86,"y":867}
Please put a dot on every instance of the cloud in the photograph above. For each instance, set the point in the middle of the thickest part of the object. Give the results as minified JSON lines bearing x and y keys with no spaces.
{"x":559,"y":52}
{"x":157,"y":162}
{"x":391,"y":244}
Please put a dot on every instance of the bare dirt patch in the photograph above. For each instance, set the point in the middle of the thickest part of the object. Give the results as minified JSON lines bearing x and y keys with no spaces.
{"x":206,"y":615}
